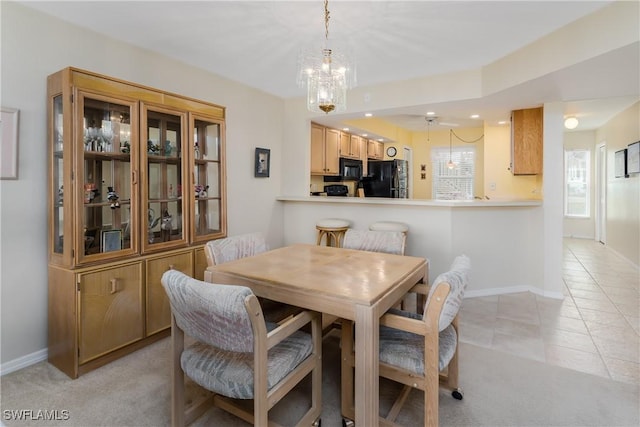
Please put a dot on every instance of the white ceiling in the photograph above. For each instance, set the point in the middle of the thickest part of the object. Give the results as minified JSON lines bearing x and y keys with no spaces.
{"x":257,"y":43}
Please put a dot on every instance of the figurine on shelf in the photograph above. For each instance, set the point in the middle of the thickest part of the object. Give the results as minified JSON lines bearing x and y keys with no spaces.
{"x":166,"y":225}
{"x":152,"y":148}
{"x":201,"y":191}
{"x":113,"y":197}
{"x":167,"y":148}
{"x":60,"y":195}
{"x":125,"y":147}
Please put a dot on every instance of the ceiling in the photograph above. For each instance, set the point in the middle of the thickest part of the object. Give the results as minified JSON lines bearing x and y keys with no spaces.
{"x":392,"y":41}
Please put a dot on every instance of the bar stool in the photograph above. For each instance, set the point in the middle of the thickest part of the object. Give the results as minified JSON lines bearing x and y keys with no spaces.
{"x":332,"y":229}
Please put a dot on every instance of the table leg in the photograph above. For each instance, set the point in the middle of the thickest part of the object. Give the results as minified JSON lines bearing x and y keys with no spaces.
{"x":366,"y":383}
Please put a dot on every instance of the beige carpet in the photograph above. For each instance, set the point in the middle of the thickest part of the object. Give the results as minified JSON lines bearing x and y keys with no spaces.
{"x":499,"y":390}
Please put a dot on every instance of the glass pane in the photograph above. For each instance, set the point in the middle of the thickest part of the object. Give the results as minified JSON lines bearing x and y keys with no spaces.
{"x":163,"y":134}
{"x":165,"y":222}
{"x":207,"y":140}
{"x":58,"y":169}
{"x":107,"y":177}
{"x":164,"y":174}
{"x":577,"y":170}
{"x":207,"y":217}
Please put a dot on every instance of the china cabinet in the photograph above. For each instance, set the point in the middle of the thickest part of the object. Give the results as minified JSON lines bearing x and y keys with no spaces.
{"x":136,"y":187}
{"x":526,"y":141}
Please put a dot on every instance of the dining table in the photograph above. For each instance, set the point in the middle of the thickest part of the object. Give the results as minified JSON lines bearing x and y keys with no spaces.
{"x":355,"y":285}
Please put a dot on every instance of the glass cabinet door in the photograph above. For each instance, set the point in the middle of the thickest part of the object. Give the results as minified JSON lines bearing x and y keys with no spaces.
{"x":163,"y":135}
{"x":105,"y":187}
{"x":208,"y":193}
{"x":57,"y":168}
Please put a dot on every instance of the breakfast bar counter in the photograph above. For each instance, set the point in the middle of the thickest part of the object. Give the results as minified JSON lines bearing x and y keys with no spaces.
{"x":503,"y":238}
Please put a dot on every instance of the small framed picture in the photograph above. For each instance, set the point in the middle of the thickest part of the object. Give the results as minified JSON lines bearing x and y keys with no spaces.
{"x":111,"y":240}
{"x":633,"y":158}
{"x":621,"y":164}
{"x":262,"y":162}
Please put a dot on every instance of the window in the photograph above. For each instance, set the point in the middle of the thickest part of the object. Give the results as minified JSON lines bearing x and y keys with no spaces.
{"x":455,"y":183}
{"x":577,"y":170}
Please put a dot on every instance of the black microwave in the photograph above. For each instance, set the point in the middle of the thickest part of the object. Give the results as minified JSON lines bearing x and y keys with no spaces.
{"x":350,"y":170}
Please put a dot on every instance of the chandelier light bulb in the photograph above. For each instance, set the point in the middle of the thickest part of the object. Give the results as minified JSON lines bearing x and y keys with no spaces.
{"x":450,"y":164}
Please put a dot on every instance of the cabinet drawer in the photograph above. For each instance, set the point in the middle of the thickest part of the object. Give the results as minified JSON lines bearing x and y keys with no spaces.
{"x":158,"y":308}
{"x":110,"y":310}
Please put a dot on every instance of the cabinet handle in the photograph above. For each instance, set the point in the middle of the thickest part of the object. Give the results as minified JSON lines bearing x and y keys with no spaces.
{"x":134,"y":177}
{"x":114,"y":286}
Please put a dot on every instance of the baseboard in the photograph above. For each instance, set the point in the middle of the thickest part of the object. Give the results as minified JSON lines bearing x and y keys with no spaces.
{"x":512,"y":290}
{"x":23,"y":362}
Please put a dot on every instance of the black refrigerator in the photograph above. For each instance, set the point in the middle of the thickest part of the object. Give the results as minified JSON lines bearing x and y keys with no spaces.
{"x":386,"y":178}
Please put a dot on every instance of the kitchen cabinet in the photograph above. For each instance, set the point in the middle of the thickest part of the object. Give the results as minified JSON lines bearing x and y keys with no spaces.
{"x":375,"y":150}
{"x":350,"y":145}
{"x":526,"y":141}
{"x":325,"y":150}
{"x":136,"y":186}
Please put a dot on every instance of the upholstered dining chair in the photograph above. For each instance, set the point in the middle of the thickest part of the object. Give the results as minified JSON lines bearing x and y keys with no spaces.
{"x":418,"y":350}
{"x":240,"y":246}
{"x":391,"y":242}
{"x":236,"y":354}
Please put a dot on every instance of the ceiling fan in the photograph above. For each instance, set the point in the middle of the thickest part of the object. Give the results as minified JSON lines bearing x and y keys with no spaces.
{"x":435,"y":120}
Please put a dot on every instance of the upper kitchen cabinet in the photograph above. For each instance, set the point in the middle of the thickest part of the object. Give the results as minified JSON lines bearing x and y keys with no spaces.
{"x":350,"y":145}
{"x":136,"y":186}
{"x":325,"y":149}
{"x":375,"y":150}
{"x":526,"y":141}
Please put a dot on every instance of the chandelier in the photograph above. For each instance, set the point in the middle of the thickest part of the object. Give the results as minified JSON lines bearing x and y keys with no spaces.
{"x":328,"y":74}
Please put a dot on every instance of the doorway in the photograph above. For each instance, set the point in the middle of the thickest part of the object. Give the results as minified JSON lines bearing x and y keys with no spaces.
{"x":601,"y":193}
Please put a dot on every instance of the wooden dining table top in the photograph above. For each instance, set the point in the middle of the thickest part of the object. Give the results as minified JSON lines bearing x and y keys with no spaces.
{"x":326,"y":279}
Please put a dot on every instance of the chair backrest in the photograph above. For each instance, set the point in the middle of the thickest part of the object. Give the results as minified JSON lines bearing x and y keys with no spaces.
{"x":457,"y":278}
{"x":234,"y":247}
{"x":391,"y":242}
{"x":214,"y":314}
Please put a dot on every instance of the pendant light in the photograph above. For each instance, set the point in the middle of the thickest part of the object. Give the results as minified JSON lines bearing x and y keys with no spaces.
{"x":450,"y":163}
{"x":328,"y":73}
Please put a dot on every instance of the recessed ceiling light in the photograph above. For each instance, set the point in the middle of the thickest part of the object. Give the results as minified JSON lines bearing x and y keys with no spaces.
{"x":368,"y":114}
{"x":430,"y":113}
{"x":475,"y":116}
{"x":502,"y":122}
{"x":571,"y":122}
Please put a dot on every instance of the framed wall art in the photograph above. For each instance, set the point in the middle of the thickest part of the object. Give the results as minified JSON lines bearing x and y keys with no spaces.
{"x":633,"y":158}
{"x":9,"y":158}
{"x":620,"y":166}
{"x":262,"y":162}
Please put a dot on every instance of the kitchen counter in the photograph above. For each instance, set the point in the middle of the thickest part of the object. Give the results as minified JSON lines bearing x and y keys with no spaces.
{"x":501,"y":237}
{"x":411,"y":202}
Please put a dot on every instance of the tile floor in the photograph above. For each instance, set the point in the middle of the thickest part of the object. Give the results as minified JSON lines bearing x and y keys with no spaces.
{"x":595,"y":329}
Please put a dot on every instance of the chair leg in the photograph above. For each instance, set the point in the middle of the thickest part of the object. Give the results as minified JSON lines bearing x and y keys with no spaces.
{"x":346,"y":377}
{"x":177,"y":376}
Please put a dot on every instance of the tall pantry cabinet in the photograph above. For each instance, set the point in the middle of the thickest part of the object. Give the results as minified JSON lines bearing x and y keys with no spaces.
{"x":136,"y":187}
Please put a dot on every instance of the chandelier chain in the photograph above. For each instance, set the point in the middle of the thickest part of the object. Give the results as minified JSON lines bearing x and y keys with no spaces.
{"x":326,"y":19}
